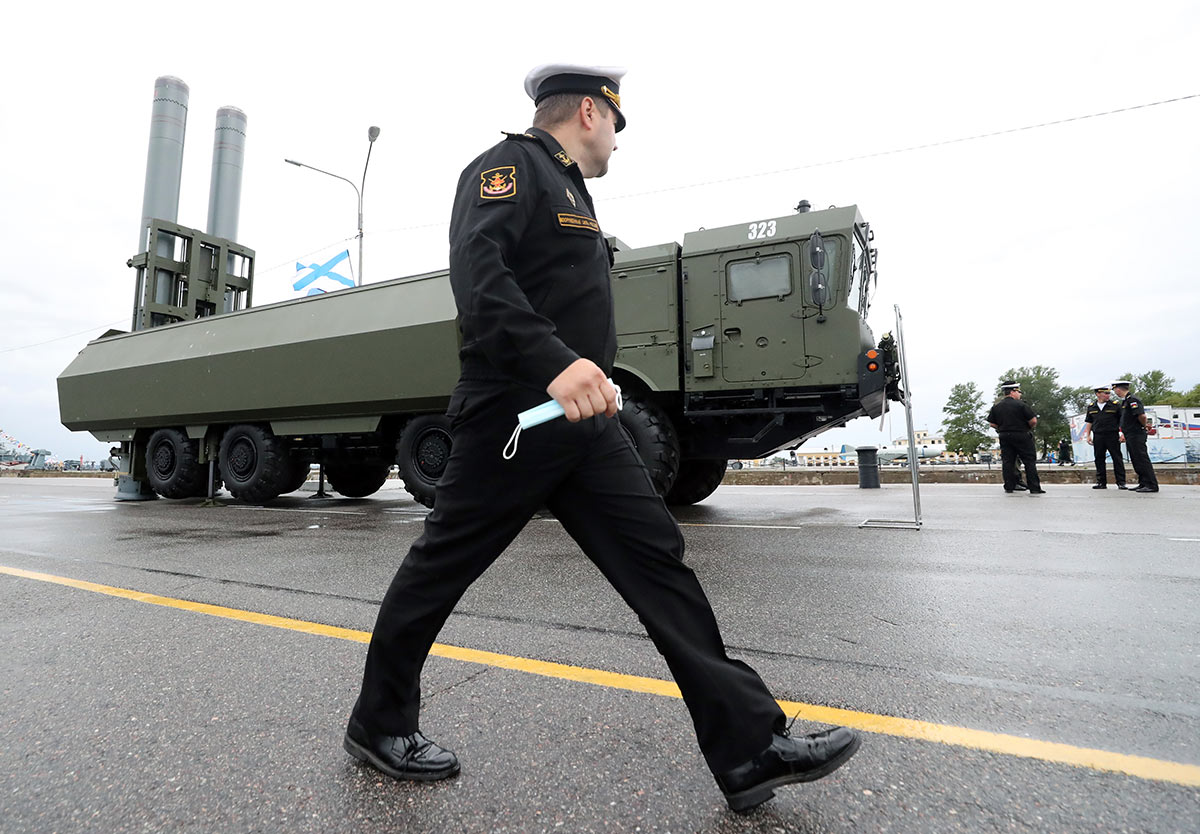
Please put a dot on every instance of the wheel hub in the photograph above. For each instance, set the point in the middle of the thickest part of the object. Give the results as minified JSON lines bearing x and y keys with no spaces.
{"x":242,"y":459}
{"x":164,"y":460}
{"x":432,"y":452}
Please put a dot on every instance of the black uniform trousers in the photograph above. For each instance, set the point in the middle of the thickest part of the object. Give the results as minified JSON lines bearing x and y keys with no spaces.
{"x":590,"y":476}
{"x":1108,"y":441}
{"x":1016,"y":445}
{"x":1139,"y":456}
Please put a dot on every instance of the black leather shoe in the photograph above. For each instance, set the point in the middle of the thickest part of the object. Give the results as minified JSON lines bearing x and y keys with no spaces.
{"x":1037,"y":492}
{"x":787,"y":760}
{"x":1009,"y":491}
{"x":1100,"y":486}
{"x":1020,"y":487}
{"x":1122,"y":486}
{"x":1145,"y":489}
{"x":411,"y":757}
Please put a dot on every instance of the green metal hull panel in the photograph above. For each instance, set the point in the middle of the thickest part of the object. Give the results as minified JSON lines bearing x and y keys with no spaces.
{"x":382,"y":349}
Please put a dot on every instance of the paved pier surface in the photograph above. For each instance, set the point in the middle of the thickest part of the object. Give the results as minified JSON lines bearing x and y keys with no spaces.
{"x":1019,"y":664}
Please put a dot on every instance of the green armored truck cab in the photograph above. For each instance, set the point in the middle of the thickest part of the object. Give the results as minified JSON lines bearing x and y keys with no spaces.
{"x":745,"y":340}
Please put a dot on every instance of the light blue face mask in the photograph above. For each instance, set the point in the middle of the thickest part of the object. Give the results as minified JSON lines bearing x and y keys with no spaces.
{"x":544,"y":413}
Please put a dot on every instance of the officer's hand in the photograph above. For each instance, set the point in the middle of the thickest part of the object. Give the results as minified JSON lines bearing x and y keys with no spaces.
{"x":1089,"y":439}
{"x":583,"y":391}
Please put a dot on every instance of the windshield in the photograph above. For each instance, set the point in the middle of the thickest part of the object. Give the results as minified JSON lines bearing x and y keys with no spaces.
{"x":862,"y":269}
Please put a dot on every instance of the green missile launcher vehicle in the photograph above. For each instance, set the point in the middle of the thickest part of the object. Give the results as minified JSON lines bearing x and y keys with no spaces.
{"x":743,"y":341}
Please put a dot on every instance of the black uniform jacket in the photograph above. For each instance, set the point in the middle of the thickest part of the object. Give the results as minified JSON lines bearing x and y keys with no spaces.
{"x":1106,"y":421}
{"x":1011,"y":415}
{"x":529,"y":265}
{"x":1131,"y":407}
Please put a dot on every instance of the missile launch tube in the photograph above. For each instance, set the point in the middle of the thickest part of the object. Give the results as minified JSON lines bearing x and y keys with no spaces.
{"x":164,"y":168}
{"x":225,"y":188}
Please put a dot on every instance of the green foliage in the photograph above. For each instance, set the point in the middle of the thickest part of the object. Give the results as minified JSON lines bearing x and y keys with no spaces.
{"x":965,"y":425}
{"x":1040,"y":389}
{"x":1152,"y":386}
{"x":1177,"y":400}
{"x":1077,"y":399}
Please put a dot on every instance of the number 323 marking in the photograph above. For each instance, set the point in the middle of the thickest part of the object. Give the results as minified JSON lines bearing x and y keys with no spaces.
{"x":760,"y":230}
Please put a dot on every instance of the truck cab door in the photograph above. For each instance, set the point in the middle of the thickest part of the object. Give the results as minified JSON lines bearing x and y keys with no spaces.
{"x":761,"y":327}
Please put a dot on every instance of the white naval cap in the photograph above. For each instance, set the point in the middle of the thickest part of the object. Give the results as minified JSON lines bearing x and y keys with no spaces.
{"x":550,"y":79}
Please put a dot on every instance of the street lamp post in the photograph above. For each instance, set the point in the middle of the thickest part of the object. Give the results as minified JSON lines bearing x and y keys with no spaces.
{"x":372,"y":135}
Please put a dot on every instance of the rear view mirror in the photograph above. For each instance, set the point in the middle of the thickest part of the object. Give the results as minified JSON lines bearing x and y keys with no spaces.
{"x":816,"y":258}
{"x":816,"y":251}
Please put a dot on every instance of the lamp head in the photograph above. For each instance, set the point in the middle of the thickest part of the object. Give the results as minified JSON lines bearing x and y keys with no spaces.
{"x":372,"y":133}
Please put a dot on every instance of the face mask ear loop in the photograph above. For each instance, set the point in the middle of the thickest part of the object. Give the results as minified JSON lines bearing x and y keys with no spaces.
{"x":510,"y":448}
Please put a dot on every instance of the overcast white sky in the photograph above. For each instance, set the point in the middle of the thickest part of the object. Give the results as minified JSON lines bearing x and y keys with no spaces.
{"x":1072,"y":245}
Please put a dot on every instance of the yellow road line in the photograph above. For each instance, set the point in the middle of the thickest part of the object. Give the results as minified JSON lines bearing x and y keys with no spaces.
{"x":1140,"y":766}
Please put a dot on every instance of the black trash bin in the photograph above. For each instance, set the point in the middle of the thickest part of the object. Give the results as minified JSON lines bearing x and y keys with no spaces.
{"x":868,"y":467}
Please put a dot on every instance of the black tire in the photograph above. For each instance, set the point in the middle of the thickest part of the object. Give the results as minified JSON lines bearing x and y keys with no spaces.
{"x":255,"y":464}
{"x":655,"y":439}
{"x":300,"y":472}
{"x":422,"y":452}
{"x":697,"y":479}
{"x":356,"y":479}
{"x":173,"y":465}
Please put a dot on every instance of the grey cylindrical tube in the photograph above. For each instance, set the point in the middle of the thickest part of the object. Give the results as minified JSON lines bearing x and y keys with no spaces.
{"x":164,"y":171}
{"x":225,"y":187}
{"x":164,"y":160}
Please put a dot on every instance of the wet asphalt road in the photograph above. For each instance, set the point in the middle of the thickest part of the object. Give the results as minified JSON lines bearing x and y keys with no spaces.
{"x":1070,"y":618}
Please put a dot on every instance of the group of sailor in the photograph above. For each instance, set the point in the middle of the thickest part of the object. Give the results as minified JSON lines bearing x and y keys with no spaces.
{"x":1110,"y":420}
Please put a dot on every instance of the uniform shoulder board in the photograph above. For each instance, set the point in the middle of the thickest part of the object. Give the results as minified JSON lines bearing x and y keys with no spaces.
{"x":518,"y":136}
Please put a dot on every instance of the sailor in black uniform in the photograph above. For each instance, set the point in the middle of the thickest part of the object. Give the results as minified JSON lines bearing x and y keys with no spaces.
{"x":1103,"y":432}
{"x":1014,"y":420}
{"x":529,"y":267}
{"x":1134,"y":425}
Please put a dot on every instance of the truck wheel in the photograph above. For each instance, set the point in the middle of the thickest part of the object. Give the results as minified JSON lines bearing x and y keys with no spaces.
{"x":255,"y":464}
{"x":697,"y":480}
{"x":356,"y":479}
{"x":173,"y":466}
{"x":422,"y":452}
{"x":655,"y":440}
{"x":298,"y":476}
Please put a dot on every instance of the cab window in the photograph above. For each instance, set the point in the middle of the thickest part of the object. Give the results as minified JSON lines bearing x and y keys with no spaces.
{"x":769,"y":277}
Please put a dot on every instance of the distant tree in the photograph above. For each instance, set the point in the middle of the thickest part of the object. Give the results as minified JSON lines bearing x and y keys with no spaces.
{"x":1078,"y":399}
{"x":1177,"y":400}
{"x":1152,"y":386}
{"x":1040,"y":389}
{"x":965,"y":425}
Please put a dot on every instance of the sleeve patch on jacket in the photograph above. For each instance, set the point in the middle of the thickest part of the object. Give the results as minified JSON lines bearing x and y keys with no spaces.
{"x":577,"y":221}
{"x":498,"y":183}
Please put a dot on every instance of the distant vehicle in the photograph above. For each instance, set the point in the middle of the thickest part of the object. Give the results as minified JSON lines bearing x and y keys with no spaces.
{"x":898,"y":454}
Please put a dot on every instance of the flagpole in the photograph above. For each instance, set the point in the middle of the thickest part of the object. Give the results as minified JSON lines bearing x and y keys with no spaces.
{"x":372,"y":135}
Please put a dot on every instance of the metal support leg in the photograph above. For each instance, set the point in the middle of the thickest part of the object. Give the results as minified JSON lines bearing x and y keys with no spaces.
{"x":211,"y":500}
{"x":320,"y":493}
{"x":913,"y":463}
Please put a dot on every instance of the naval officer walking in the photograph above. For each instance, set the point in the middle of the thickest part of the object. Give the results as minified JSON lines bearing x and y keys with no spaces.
{"x":529,"y":267}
